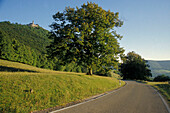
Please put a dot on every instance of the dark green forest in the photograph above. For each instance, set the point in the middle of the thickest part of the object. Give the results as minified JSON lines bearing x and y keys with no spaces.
{"x":135,"y":67}
{"x":25,"y":44}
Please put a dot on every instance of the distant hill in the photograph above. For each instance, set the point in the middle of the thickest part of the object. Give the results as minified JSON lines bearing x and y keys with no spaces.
{"x":35,"y":38}
{"x":159,"y":67}
{"x":23,"y":43}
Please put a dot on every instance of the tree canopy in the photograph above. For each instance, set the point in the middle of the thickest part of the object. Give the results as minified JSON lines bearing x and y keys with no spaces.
{"x":135,"y":67}
{"x":161,"y":78}
{"x":86,"y":36}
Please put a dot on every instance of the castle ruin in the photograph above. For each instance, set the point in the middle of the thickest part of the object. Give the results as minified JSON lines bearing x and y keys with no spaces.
{"x":33,"y":25}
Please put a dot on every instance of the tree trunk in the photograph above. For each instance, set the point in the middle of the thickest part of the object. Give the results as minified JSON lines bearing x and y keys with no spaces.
{"x":89,"y":71}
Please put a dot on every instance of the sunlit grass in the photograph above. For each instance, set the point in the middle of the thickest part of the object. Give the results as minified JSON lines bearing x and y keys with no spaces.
{"x":162,"y":87}
{"x":49,"y":88}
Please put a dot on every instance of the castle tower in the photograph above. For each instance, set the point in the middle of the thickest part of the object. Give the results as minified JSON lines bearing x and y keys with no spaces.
{"x":32,"y":24}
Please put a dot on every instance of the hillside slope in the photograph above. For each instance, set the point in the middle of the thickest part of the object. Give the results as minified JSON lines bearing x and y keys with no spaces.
{"x":24,"y":44}
{"x":159,"y":67}
{"x":25,"y":88}
{"x":35,"y":38}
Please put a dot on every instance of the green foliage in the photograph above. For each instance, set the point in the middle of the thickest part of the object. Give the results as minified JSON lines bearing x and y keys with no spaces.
{"x":111,"y":73}
{"x":135,"y":67}
{"x":161,"y":78}
{"x":27,"y":45}
{"x":31,"y":37}
{"x":86,"y":36}
{"x":24,"y":44}
{"x":50,"y":88}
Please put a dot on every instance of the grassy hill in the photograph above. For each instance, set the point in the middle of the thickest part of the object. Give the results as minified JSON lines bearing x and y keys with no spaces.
{"x":25,"y":88}
{"x":159,"y":67}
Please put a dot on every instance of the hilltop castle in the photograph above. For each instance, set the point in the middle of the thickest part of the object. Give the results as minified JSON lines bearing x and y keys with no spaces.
{"x":33,"y":25}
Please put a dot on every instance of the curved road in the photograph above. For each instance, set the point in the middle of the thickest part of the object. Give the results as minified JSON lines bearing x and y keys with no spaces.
{"x":133,"y":98}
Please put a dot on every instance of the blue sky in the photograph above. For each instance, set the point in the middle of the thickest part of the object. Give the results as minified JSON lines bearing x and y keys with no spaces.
{"x":146,"y":28}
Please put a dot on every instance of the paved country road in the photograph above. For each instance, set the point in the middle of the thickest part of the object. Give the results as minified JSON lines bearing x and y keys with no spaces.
{"x":133,"y":98}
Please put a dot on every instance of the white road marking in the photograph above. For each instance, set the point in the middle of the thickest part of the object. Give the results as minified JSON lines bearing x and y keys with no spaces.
{"x":92,"y":99}
{"x":163,"y":100}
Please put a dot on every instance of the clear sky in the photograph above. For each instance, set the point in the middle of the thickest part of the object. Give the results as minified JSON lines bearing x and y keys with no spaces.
{"x":146,"y":28}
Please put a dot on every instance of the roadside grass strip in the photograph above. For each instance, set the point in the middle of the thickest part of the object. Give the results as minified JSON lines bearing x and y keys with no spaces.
{"x":34,"y":89}
{"x":26,"y":92}
{"x":162,"y":87}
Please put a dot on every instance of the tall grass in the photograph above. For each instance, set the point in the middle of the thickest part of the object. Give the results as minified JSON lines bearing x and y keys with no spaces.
{"x":48,"y":88}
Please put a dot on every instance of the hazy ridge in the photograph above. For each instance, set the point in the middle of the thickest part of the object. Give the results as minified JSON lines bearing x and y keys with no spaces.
{"x":159,"y":67}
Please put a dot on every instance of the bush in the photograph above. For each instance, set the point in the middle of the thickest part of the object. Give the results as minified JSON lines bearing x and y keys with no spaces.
{"x":109,"y":73}
{"x":78,"y":69}
{"x":162,"y":78}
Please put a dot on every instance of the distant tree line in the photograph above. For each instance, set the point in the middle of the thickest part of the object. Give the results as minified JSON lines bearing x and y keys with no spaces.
{"x":161,"y":78}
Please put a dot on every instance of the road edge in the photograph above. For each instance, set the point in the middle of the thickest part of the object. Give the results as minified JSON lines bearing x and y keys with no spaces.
{"x":91,"y":98}
{"x":163,"y":100}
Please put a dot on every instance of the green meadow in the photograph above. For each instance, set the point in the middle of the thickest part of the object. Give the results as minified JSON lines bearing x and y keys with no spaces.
{"x":24,"y":88}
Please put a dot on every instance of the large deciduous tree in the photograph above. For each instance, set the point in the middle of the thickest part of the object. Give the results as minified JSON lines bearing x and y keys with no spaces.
{"x":135,"y":67}
{"x":86,"y":36}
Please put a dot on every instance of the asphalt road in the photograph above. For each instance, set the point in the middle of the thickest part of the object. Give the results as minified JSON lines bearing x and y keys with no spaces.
{"x":132,"y":98}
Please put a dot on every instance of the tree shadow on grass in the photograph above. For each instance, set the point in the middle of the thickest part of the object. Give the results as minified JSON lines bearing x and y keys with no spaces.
{"x":12,"y":69}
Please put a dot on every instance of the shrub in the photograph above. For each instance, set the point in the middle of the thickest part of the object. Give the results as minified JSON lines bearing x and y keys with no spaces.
{"x":161,"y":78}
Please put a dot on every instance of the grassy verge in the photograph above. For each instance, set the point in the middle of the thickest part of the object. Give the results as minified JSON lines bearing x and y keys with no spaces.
{"x":49,"y":88}
{"x":163,"y":88}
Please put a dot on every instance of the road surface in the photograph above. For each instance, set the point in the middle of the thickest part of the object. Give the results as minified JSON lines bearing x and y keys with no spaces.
{"x":132,"y":98}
